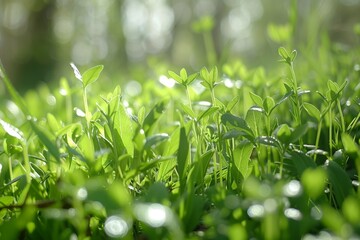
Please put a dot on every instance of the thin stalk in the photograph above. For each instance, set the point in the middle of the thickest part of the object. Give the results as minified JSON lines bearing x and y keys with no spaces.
{"x":26,"y":163}
{"x":219,"y":150}
{"x":11,"y":174}
{"x":188,"y":96}
{"x":86,"y":109}
{"x":213,"y":99}
{"x":330,"y":130}
{"x":318,"y":138}
{"x":341,"y":117}
{"x":268,"y":149}
{"x":353,"y":122}
{"x":297,"y":107}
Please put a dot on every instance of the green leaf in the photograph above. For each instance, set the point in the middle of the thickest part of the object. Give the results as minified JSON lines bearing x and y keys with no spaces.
{"x":187,"y":109}
{"x":298,"y":132}
{"x":333,"y":86}
{"x":239,"y":123}
{"x":52,"y":122}
{"x":16,"y":97}
{"x":183,"y":75}
{"x":45,"y":139}
{"x":340,"y":183}
{"x":214,"y":75}
{"x":312,"y":111}
{"x":268,"y":104}
{"x":182,"y":154}
{"x":255,"y":118}
{"x":155,"y":140}
{"x":314,"y":181}
{"x":349,"y":144}
{"x":242,"y":154}
{"x":297,"y":162}
{"x":165,"y":169}
{"x":232,"y":103}
{"x":269,"y":141}
{"x":284,"y":55}
{"x":283,"y":99}
{"x":283,"y":133}
{"x":125,"y":129}
{"x":141,"y":115}
{"x":293,"y":55}
{"x":91,"y":75}
{"x":191,"y":78}
{"x":198,"y":171}
{"x":208,"y":112}
{"x":176,"y":77}
{"x":6,"y":201}
{"x":87,"y":147}
{"x":154,"y":115}
{"x":257,"y":99}
{"x":12,"y":131}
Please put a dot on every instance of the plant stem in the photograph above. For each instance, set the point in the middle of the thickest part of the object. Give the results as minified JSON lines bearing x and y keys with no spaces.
{"x":188,"y":96}
{"x":11,"y":174}
{"x":297,"y":105}
{"x":86,"y":109}
{"x":26,"y":163}
{"x":330,"y":130}
{"x":318,"y":137}
{"x":341,"y":117}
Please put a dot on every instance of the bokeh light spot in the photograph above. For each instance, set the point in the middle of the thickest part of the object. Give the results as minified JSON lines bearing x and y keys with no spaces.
{"x":293,"y":213}
{"x":256,"y":211}
{"x":292,"y":189}
{"x":116,"y":227}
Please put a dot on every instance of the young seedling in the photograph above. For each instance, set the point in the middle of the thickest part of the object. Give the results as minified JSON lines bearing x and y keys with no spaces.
{"x":88,"y":77}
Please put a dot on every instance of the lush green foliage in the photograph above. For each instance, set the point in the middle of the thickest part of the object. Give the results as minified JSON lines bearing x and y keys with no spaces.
{"x":269,"y":156}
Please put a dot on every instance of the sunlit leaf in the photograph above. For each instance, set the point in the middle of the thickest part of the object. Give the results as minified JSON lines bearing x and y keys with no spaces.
{"x":153,"y":116}
{"x":312,"y":111}
{"x":176,"y":77}
{"x":91,"y":75}
{"x":12,"y":131}
{"x":242,"y":155}
{"x":239,"y":123}
{"x":183,"y":74}
{"x":208,"y":112}
{"x":268,"y":104}
{"x":182,"y":154}
{"x":188,"y":110}
{"x":45,"y":139}
{"x":257,"y":99}
{"x":155,"y":140}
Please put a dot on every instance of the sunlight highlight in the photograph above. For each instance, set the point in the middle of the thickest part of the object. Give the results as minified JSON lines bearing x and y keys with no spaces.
{"x":155,"y":215}
{"x":116,"y":227}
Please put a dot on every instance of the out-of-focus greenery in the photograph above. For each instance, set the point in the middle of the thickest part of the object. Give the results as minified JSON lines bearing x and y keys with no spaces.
{"x":38,"y":39}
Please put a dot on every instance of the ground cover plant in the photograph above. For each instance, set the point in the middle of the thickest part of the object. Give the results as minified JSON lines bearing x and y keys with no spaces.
{"x":226,"y":152}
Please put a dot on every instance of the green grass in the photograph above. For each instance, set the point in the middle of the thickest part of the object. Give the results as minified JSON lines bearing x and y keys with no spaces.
{"x":273,"y":156}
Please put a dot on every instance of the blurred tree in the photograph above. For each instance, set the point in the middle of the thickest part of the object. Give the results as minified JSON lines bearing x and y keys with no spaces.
{"x":38,"y":39}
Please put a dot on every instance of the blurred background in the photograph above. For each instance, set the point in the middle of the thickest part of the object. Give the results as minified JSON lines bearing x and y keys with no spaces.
{"x":39,"y":38}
